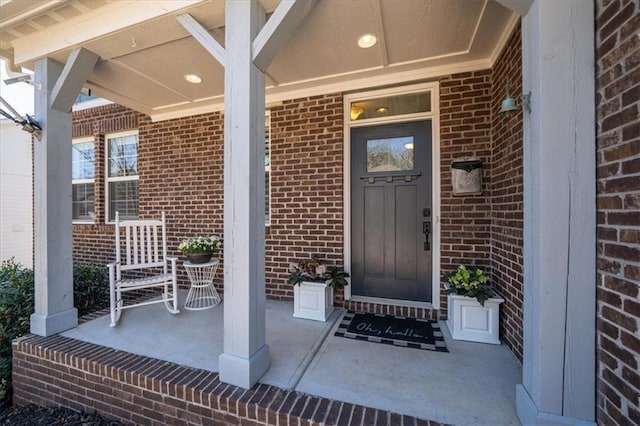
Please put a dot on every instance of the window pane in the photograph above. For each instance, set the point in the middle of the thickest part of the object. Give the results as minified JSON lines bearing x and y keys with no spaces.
{"x":82,"y":160}
{"x":123,"y":156}
{"x":409,"y":103}
{"x":390,"y":155}
{"x":83,"y":201}
{"x":123,"y":198}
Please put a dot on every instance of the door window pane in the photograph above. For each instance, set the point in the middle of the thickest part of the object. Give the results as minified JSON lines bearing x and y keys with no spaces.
{"x":390,"y":155}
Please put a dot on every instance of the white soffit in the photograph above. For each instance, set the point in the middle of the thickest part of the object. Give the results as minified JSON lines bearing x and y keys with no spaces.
{"x":145,"y":52}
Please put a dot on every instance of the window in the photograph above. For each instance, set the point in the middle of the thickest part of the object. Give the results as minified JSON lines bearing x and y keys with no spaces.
{"x":122,"y":176}
{"x":267,"y":168}
{"x":390,"y":106}
{"x":390,"y":155}
{"x":83,"y":180}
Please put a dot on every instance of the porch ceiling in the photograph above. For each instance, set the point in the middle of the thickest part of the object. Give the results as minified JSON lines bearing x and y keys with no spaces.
{"x":144,"y":51}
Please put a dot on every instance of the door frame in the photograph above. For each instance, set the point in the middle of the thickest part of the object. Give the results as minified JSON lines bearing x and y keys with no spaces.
{"x":434,"y":116}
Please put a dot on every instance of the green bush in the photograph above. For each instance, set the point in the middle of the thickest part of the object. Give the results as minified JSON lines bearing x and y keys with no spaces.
{"x":90,"y":293}
{"x":16,"y":306}
{"x":90,"y":289}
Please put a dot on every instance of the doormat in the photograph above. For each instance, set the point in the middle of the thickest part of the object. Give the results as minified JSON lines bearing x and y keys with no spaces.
{"x":390,"y":330}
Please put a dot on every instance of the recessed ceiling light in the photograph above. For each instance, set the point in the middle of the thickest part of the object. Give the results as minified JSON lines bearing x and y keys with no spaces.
{"x":367,"y":40}
{"x":382,"y":110}
{"x":193,"y":78}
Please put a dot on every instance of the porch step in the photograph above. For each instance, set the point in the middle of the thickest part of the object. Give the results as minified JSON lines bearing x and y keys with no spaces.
{"x":393,"y":309}
{"x":141,"y":390}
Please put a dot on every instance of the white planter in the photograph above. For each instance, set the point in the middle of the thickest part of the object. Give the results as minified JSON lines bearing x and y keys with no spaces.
{"x":312,"y":301}
{"x":469,"y":320}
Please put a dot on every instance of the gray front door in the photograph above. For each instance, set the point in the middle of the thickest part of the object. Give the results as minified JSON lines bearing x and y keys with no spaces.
{"x":391,"y":211}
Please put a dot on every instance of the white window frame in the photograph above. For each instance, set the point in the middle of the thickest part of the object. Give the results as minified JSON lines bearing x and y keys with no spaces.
{"x":108,"y":179}
{"x":84,"y":181}
{"x":267,"y":168}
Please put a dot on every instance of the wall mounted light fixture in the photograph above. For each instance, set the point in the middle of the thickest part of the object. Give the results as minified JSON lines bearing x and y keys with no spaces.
{"x":509,"y":105}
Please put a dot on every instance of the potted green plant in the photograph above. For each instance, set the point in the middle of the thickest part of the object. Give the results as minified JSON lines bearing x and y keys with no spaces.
{"x":314,"y":283}
{"x":473,"y":307}
{"x":200,"y":249}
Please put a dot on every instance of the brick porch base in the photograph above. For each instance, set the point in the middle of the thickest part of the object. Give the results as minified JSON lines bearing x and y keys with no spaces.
{"x":135,"y":389}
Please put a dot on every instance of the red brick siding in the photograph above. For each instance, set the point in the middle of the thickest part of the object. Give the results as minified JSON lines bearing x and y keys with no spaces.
{"x":136,"y":390}
{"x":180,"y":169}
{"x":618,"y":205}
{"x":93,"y":243}
{"x":507,"y":196}
{"x":465,"y":131}
{"x":181,"y":173}
{"x":306,"y":186}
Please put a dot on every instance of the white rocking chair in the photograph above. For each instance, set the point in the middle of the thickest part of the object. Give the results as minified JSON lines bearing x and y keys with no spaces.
{"x":143,"y":251}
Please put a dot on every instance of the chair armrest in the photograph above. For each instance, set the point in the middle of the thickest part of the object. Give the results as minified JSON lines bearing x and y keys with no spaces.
{"x":112,"y":265}
{"x":172,"y":258}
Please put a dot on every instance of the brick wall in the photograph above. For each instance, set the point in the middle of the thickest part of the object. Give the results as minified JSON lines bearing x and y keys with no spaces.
{"x":181,"y":173}
{"x":465,"y":131}
{"x":618,"y":205}
{"x":94,"y":243}
{"x":507,"y":195}
{"x":306,"y":187}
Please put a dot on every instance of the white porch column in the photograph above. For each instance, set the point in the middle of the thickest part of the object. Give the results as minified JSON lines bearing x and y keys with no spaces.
{"x":246,"y":356}
{"x":54,"y":311}
{"x":560,"y":219}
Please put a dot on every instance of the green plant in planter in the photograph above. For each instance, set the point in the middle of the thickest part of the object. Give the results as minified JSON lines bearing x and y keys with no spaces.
{"x":469,"y":282}
{"x":315,"y":270}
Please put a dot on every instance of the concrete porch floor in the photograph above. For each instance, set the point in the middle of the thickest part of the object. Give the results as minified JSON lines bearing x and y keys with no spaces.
{"x":473,"y":384}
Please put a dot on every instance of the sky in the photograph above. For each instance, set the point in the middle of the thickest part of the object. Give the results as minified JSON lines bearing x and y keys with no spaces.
{"x":19,"y":95}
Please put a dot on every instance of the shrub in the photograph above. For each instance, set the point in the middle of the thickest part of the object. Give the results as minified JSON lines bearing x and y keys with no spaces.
{"x":16,"y":306}
{"x":90,"y":293}
{"x":90,"y":289}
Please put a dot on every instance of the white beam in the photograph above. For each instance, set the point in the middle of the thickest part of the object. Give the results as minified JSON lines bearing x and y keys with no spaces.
{"x":54,"y":311}
{"x":246,"y":356}
{"x":74,"y":75}
{"x":521,"y":7}
{"x":112,"y":17}
{"x":203,"y":37}
{"x":560,"y":215}
{"x":278,"y":29}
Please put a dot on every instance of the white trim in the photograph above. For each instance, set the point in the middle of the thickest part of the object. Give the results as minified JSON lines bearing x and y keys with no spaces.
{"x":267,"y":115}
{"x":94,"y":24}
{"x":278,"y":29}
{"x":393,"y":302}
{"x":83,"y":181}
{"x":202,"y":36}
{"x":108,"y":179}
{"x":504,"y":38}
{"x":360,"y":80}
{"x":434,"y":116}
{"x":93,"y":103}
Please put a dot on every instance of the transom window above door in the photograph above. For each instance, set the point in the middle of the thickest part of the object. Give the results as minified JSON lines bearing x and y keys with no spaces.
{"x":390,"y":106}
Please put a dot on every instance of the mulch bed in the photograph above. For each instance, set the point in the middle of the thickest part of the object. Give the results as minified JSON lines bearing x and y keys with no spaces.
{"x":32,"y":415}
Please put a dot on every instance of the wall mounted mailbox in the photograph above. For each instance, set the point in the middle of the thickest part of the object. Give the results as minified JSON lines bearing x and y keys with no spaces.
{"x":466,"y":177}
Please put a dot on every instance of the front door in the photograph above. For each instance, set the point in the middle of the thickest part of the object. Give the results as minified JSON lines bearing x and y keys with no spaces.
{"x":391,"y":211}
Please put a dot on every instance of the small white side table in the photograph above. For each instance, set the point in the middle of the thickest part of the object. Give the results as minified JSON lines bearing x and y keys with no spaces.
{"x":202,"y":294}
